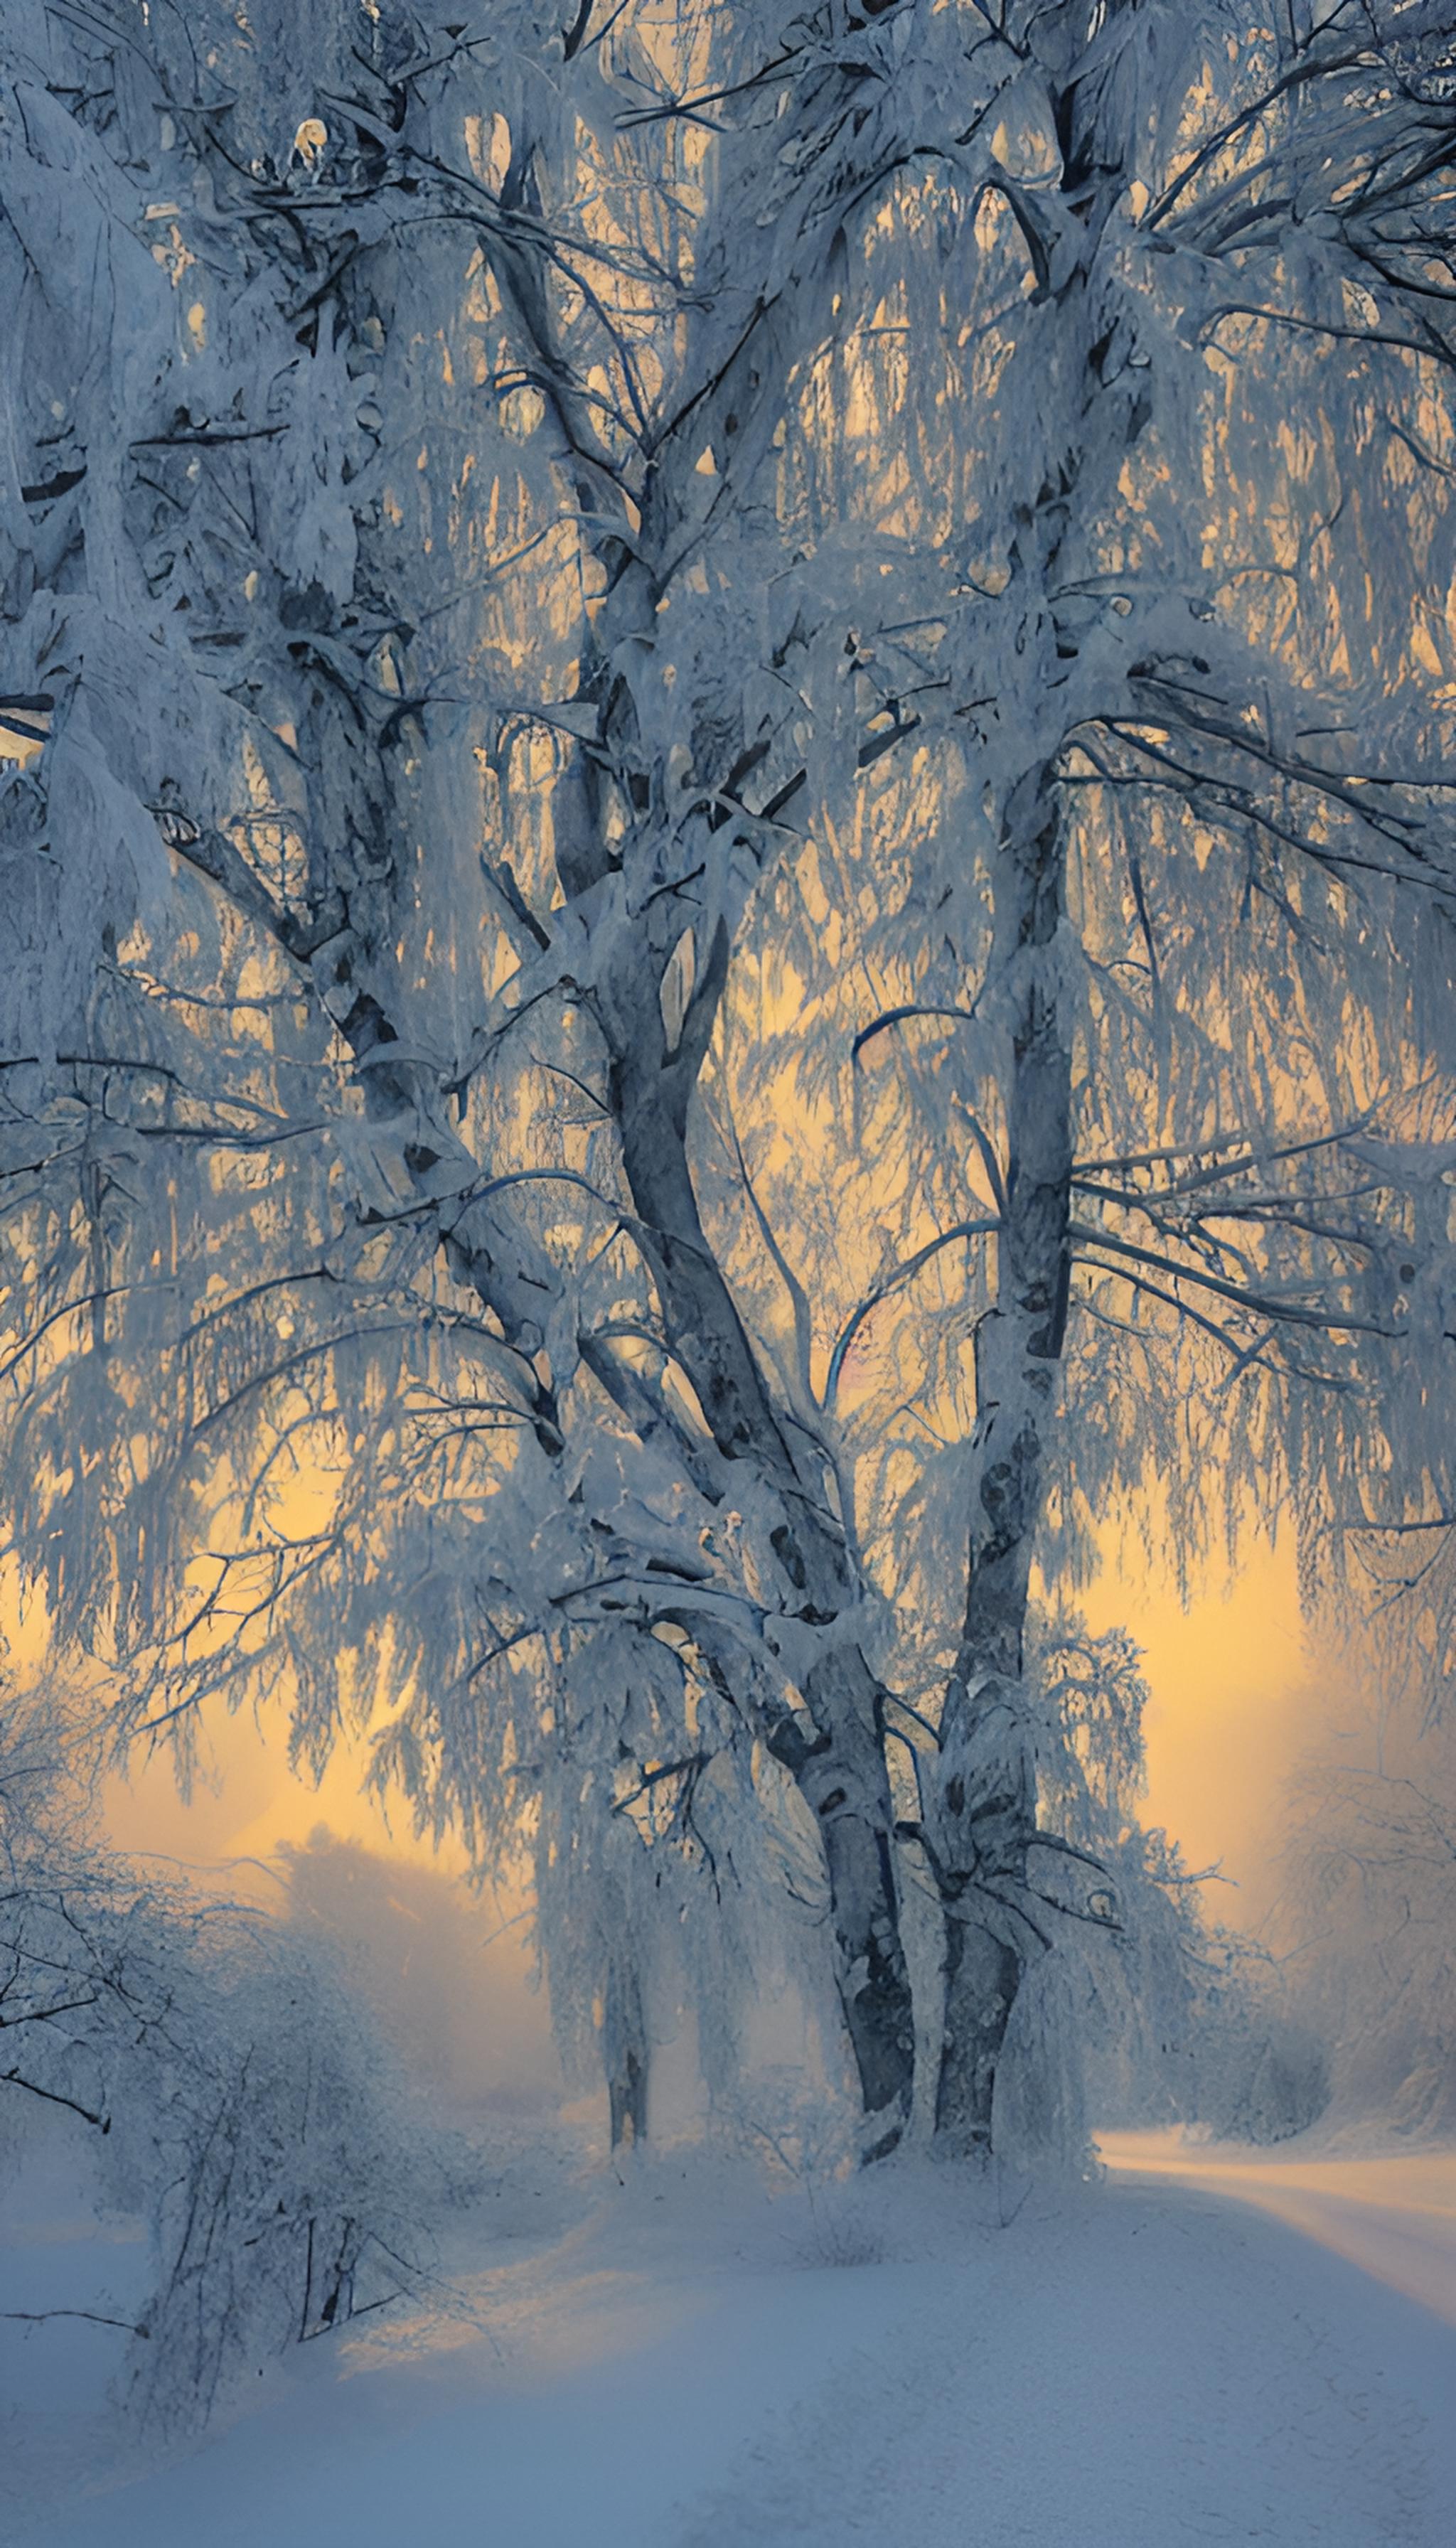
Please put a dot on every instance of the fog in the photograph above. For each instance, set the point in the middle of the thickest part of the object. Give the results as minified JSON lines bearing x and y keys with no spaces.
{"x":449,"y":1981}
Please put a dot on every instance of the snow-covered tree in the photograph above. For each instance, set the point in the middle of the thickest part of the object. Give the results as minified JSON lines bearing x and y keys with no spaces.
{"x":541,"y":258}
{"x":1167,"y":890}
{"x":601,"y":534}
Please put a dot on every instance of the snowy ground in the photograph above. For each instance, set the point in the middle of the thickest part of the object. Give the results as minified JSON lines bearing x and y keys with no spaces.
{"x":676,"y":2364}
{"x":1395,"y":2216}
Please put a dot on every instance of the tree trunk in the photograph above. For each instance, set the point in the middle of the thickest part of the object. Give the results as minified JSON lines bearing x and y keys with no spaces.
{"x":981,"y":1812}
{"x":834,"y":1747}
{"x":625,"y":2055}
{"x":841,"y":1778}
{"x":982,"y":1978}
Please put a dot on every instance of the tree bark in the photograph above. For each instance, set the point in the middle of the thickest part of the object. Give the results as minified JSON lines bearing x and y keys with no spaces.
{"x":833,"y":1748}
{"x":979,"y":1794}
{"x":625,"y":2055}
{"x":982,"y":1810}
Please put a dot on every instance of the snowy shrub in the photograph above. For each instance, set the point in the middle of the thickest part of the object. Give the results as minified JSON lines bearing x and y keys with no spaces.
{"x":1107,"y":2022}
{"x":1137,"y":2010}
{"x":840,"y":2229}
{"x":1261,"y":2076}
{"x":807,"y":2143}
{"x":793,"y":2126}
{"x":245,"y":2107}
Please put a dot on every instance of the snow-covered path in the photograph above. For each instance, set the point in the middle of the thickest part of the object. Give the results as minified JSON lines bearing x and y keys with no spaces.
{"x":1152,"y":2369}
{"x":1134,"y":2366}
{"x":1395,"y":2218}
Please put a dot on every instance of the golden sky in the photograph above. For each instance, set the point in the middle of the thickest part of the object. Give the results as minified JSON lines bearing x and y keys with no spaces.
{"x":250,"y":1800}
{"x":1233,"y":1706}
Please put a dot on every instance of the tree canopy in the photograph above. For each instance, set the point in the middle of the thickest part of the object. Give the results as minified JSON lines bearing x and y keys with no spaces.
{"x":733,"y":874}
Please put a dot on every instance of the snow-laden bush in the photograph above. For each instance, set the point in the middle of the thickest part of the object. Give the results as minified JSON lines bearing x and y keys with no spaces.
{"x":242,"y":2102}
{"x":806,"y":2144}
{"x":1137,"y":2010}
{"x":1261,"y":2076}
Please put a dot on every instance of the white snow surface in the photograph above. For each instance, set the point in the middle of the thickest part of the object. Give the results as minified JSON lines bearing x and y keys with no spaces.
{"x":677,"y":2361}
{"x":1392,"y":2214}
